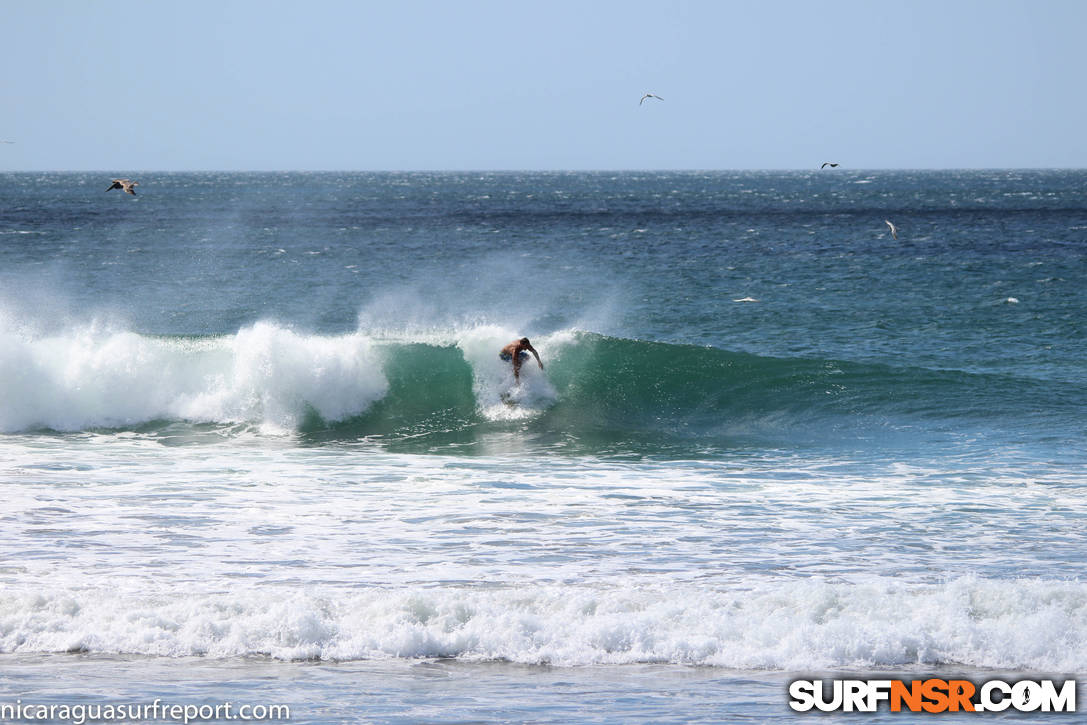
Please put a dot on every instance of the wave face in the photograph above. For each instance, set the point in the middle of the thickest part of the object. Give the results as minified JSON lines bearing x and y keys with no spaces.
{"x":1036,"y":625}
{"x":698,"y":391}
{"x":599,"y":390}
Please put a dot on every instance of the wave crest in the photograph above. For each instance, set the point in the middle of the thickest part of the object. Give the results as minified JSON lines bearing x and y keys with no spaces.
{"x":100,"y":378}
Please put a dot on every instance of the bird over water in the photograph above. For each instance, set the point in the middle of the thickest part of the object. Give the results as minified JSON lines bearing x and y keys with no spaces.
{"x":124,"y":184}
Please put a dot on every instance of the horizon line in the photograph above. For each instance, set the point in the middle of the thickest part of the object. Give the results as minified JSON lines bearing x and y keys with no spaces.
{"x":545,"y":170}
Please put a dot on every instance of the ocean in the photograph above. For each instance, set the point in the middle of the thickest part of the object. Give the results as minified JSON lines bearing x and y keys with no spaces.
{"x":257,"y":445}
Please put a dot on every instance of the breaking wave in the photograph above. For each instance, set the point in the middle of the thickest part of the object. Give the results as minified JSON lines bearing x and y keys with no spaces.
{"x":357,"y":385}
{"x":798,"y":625}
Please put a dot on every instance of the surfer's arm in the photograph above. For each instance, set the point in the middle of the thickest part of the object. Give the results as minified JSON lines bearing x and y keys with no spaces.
{"x":535,"y":355}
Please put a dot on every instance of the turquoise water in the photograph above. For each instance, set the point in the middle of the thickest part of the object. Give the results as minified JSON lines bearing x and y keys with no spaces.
{"x":254,"y":422}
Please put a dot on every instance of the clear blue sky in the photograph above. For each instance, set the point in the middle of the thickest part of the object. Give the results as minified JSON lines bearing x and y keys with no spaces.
{"x":470,"y":84}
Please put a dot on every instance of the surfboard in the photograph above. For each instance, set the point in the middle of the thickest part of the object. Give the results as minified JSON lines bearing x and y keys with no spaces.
{"x":512,"y":396}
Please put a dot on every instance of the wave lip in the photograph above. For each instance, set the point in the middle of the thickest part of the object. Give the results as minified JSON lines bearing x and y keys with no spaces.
{"x":798,"y":625}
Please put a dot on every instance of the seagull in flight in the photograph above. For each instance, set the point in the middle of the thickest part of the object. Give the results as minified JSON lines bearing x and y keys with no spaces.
{"x":649,"y":95}
{"x":894,"y":229}
{"x":831,"y":164}
{"x":124,"y":184}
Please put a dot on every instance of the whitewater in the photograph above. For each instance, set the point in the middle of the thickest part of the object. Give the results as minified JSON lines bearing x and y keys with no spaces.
{"x":259,"y":445}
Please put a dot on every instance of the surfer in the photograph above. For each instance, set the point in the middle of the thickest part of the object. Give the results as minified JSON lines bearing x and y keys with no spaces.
{"x":516,"y":353}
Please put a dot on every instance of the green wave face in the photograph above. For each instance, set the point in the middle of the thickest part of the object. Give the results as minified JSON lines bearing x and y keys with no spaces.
{"x":430,"y":393}
{"x":616,"y":395}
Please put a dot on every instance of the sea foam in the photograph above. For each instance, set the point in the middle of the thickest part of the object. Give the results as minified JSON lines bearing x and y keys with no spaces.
{"x":775,"y":625}
{"x":497,"y":395}
{"x":98,"y":377}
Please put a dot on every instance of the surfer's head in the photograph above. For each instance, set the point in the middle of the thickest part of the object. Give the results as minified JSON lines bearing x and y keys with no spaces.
{"x":524,"y":341}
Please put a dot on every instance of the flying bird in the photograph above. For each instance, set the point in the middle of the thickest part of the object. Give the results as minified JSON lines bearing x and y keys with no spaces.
{"x":894,"y":229}
{"x":124,"y":184}
{"x":830,"y":164}
{"x":649,"y":95}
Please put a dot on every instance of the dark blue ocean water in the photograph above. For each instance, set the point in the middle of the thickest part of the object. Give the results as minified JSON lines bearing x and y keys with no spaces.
{"x":654,"y":256}
{"x":973,"y":318}
{"x":768,"y":437}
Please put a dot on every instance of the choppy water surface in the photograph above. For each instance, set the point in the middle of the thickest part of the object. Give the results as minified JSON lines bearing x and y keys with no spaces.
{"x":255,"y":429}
